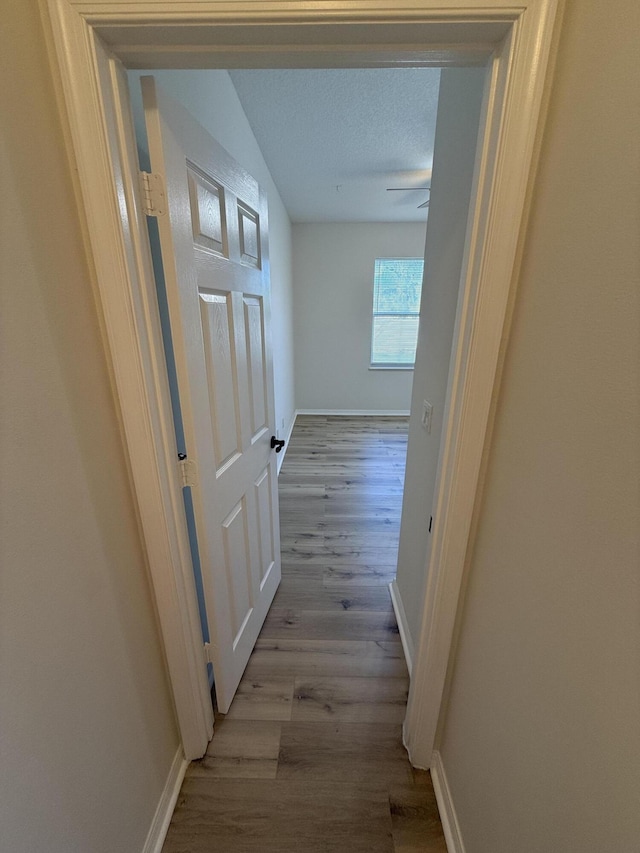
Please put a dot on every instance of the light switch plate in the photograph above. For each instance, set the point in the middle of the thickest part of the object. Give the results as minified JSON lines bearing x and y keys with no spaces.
{"x":427,"y":412}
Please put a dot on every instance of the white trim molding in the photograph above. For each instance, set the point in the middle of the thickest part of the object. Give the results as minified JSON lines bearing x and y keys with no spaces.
{"x":365,"y":413}
{"x":287,"y":439}
{"x":403,"y":627}
{"x":168,"y":799}
{"x":92,"y":41}
{"x":448,"y":816}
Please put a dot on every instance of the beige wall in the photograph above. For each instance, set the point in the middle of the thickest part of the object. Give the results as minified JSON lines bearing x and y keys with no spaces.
{"x":87,"y":733}
{"x":333,"y":302}
{"x":461,"y":91}
{"x":541,"y":741}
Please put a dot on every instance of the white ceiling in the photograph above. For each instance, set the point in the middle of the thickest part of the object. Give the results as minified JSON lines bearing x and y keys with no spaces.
{"x":334,"y":140}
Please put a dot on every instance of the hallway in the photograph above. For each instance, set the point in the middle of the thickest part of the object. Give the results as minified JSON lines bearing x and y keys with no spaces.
{"x":309,"y":757}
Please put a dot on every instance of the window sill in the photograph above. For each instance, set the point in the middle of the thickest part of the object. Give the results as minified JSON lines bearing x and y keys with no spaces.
{"x":391,"y":367}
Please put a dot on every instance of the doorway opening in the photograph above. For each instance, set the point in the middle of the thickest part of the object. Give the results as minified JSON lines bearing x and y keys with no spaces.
{"x":335,"y":260}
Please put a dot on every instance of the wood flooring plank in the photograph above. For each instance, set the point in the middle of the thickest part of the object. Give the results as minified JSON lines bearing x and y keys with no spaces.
{"x":358,"y":576}
{"x":262,"y":699}
{"x":310,"y":594}
{"x":312,"y":478}
{"x":326,"y":657}
{"x":303,"y":572}
{"x":361,"y":700}
{"x":299,"y":491}
{"x":415,"y":819}
{"x":343,"y":752}
{"x":279,"y":816}
{"x":340,"y":551}
{"x":358,"y":499}
{"x":376,"y":538}
{"x":372,"y":458}
{"x":384,"y":486}
{"x":382,"y":525}
{"x":302,"y":509}
{"x":347,"y":509}
{"x":246,"y":749}
{"x":287,"y":623}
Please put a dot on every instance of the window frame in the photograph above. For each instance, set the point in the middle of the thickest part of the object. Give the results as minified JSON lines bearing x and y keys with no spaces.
{"x":391,"y":365}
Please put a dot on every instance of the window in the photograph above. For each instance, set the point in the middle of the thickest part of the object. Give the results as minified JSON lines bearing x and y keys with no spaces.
{"x":397,"y":284}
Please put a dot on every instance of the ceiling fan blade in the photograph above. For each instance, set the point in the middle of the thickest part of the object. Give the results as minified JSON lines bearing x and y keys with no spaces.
{"x":424,"y":204}
{"x":406,"y":189}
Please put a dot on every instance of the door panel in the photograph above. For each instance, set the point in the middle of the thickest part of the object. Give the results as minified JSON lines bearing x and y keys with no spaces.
{"x":238,"y":567}
{"x":254,"y":325}
{"x":215,"y":253}
{"x":221,"y":370}
{"x":263,"y":492}
{"x":207,"y":212}
{"x":249,"y":223}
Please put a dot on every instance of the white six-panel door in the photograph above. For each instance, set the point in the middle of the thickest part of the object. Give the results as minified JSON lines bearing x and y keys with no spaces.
{"x":215,"y":254}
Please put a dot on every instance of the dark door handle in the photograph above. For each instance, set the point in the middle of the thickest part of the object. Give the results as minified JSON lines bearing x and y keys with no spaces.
{"x":277,"y":443}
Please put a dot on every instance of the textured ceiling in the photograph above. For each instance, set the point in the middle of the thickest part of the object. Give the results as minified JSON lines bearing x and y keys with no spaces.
{"x":334,"y":140}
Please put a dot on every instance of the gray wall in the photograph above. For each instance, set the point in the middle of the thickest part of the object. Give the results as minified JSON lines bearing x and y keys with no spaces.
{"x":454,"y":156}
{"x":541,"y":742}
{"x":333,"y":302}
{"x":87,"y":733}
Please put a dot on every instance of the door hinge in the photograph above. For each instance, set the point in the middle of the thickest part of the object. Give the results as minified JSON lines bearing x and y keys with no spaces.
{"x":208,"y":657}
{"x":154,"y":202}
{"x":188,"y":472}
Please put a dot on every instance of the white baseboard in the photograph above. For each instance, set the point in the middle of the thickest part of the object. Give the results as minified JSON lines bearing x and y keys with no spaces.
{"x":401,"y":619}
{"x":380,"y":413}
{"x":448,"y":817}
{"x":282,"y":453}
{"x":168,"y":799}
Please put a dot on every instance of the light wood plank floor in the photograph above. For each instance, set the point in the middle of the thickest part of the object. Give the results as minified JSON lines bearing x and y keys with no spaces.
{"x":309,"y":758}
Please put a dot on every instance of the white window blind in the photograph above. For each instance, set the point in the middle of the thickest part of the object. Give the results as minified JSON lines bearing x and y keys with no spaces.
{"x":397,"y":285}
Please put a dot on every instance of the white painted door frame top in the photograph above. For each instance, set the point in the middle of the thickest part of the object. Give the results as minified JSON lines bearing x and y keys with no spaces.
{"x":92,"y":41}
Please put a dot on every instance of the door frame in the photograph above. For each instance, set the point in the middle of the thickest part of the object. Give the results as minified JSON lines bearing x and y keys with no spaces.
{"x":87,"y":40}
